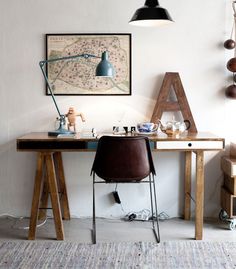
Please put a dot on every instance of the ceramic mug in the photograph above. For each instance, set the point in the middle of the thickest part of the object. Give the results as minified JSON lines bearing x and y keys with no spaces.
{"x":147,"y":127}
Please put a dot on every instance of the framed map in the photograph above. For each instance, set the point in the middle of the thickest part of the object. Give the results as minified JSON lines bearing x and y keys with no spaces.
{"x":77,"y":76}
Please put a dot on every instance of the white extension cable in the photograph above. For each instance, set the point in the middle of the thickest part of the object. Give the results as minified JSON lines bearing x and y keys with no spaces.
{"x":14,"y":226}
{"x":145,"y":215}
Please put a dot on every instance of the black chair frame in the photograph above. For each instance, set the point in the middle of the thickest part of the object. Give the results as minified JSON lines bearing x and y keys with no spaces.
{"x":154,"y":218}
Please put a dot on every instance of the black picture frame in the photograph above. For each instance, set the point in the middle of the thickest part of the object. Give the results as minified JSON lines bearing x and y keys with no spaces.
{"x":78,"y":77}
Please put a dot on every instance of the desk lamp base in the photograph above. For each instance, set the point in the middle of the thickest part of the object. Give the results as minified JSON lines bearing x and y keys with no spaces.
{"x":61,"y":131}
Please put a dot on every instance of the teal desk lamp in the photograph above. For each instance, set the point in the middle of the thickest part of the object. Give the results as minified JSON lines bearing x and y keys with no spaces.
{"x":103,"y":69}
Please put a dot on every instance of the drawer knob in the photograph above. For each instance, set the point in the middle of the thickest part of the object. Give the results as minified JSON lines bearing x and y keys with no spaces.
{"x":190,"y":144}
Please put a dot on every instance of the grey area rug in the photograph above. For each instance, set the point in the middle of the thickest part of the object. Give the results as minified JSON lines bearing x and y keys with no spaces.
{"x":144,"y":255}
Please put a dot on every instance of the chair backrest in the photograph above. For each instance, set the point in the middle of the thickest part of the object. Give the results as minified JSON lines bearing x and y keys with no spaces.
{"x":123,"y":159}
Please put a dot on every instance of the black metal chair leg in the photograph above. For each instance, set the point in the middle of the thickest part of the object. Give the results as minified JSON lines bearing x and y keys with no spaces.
{"x":155,"y":201}
{"x":94,"y":216}
{"x":150,"y":182}
{"x":151,"y":199}
{"x":155,"y":229}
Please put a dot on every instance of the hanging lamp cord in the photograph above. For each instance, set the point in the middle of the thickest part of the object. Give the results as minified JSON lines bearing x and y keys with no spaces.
{"x":234,"y":23}
{"x":233,"y":32}
{"x":234,"y":8}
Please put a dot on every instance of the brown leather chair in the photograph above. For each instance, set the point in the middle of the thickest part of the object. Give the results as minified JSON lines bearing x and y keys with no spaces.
{"x":125,"y":160}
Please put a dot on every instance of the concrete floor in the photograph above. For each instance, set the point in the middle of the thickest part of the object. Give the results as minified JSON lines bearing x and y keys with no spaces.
{"x":110,"y":230}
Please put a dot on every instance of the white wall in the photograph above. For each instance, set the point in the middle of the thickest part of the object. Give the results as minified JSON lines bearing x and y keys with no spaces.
{"x":192,"y":46}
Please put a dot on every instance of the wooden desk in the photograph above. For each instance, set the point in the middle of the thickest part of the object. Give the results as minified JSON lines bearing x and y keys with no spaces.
{"x":50,"y":179}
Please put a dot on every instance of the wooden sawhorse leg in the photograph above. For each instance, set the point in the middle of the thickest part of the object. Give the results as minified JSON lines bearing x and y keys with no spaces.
{"x":36,"y":196}
{"x":44,"y":200}
{"x":199,"y":194}
{"x":187,"y":185}
{"x":62,"y":185}
{"x":57,"y":157}
{"x":53,"y":190}
{"x":46,"y":160}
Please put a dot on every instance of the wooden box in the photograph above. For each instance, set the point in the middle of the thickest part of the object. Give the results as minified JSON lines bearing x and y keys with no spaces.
{"x":228,"y":165}
{"x":230,"y":184}
{"x":232,"y":151}
{"x":228,"y":202}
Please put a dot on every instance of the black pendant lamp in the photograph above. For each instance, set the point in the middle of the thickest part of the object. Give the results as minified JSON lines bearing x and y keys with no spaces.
{"x":151,"y":14}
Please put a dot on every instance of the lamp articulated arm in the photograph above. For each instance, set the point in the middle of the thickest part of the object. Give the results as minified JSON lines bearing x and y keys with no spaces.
{"x":104,"y":69}
{"x":43,"y":63}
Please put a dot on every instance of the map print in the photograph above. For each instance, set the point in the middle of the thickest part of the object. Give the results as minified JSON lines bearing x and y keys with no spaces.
{"x":77,"y":76}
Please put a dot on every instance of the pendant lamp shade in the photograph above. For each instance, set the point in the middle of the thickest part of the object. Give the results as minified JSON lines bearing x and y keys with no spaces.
{"x":105,"y":68}
{"x":151,"y":14}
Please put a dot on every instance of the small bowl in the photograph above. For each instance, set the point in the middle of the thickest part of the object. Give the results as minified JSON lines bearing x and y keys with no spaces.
{"x":147,"y":127}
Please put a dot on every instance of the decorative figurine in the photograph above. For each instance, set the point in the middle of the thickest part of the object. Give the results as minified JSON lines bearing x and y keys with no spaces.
{"x":71,"y":117}
{"x":231,"y":64}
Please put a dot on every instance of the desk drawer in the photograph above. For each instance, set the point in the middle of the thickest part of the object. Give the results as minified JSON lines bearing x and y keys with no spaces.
{"x":191,"y":145}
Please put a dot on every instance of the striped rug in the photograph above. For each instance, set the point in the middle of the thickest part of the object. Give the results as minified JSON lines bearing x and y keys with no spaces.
{"x":143,"y":255}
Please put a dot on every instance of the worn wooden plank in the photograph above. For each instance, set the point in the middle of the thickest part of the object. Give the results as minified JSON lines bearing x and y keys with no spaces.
{"x":199,"y":194}
{"x":187,"y":185}
{"x":52,"y":182}
{"x":36,"y":197}
{"x":227,"y":202}
{"x":44,"y":199}
{"x":230,"y":184}
{"x":228,"y":165}
{"x":62,"y":184}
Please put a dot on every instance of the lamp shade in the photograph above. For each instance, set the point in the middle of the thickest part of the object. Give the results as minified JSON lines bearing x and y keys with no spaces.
{"x":151,"y":14}
{"x":105,"y":68}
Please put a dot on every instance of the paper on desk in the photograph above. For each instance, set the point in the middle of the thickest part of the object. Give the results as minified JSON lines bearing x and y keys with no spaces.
{"x":66,"y":136}
{"x":110,"y":134}
{"x":88,"y":135}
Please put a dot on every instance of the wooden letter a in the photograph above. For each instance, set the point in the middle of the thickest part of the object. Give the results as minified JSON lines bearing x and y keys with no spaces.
{"x":172,"y":80}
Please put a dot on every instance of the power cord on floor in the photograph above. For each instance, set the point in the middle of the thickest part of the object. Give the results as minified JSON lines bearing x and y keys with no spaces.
{"x":145,"y":215}
{"x":18,"y":219}
{"x":163,"y":216}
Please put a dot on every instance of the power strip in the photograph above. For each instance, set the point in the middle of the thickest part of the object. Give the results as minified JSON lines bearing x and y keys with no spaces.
{"x":143,"y":215}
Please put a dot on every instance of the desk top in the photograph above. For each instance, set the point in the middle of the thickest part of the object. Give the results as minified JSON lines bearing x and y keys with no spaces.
{"x":200,"y":136}
{"x":41,"y":141}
